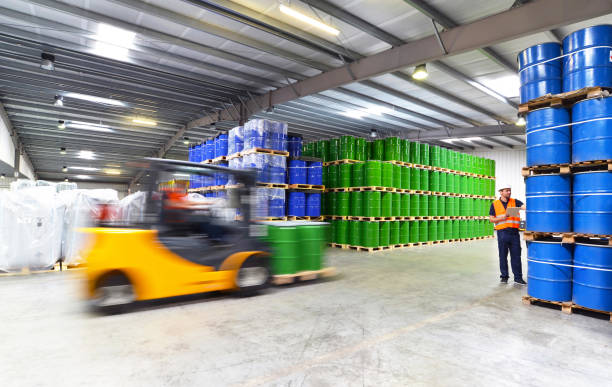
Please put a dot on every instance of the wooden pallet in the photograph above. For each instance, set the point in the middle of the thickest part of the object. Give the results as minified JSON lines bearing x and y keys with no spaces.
{"x":343,"y":161}
{"x":272,"y":185}
{"x":284,"y":279}
{"x":306,"y":218}
{"x":265,"y":151}
{"x":272,"y":218}
{"x":598,"y":165}
{"x":566,"y":99}
{"x":546,"y":170}
{"x":234,"y":186}
{"x":399,"y":162}
{"x":369,"y":188}
{"x":567,"y":307}
{"x":307,"y":186}
{"x":207,"y":161}
{"x":341,"y":189}
{"x":370,"y":249}
{"x":566,"y":237}
{"x":337,"y":217}
{"x":219,"y":159}
{"x":339,"y":245}
{"x":234,"y":156}
{"x":367,"y":218}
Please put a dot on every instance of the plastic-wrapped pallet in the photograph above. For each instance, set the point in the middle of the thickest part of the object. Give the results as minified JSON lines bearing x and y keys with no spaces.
{"x":254,"y":133}
{"x":65,"y":186}
{"x":22,"y":184}
{"x":275,"y":169}
{"x":276,"y":202}
{"x":234,"y":164}
{"x":236,"y":140}
{"x":132,"y":207}
{"x":259,"y":206}
{"x":276,"y":136}
{"x":256,"y":161}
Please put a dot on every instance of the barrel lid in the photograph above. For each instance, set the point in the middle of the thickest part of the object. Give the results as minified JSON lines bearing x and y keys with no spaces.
{"x":547,"y":242}
{"x":593,"y":245}
{"x":581,"y":30}
{"x":545,"y":108}
{"x":591,"y":99}
{"x":581,"y":173}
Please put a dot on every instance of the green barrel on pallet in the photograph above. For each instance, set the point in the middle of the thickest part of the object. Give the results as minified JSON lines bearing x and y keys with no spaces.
{"x":341,"y":231}
{"x":404,"y":232}
{"x":463,"y":185}
{"x":450,"y":179}
{"x":415,"y":153}
{"x":392,"y":149}
{"x":397,"y":176}
{"x":373,"y":173}
{"x":470,"y":207}
{"x":434,"y":181}
{"x":371,"y":203}
{"x":355,"y":233}
{"x":463,"y":229}
{"x":344,"y":174}
{"x":404,"y":205}
{"x":384,"y":233}
{"x":334,"y":149}
{"x":347,"y":147}
{"x":405,"y":171}
{"x":306,"y":149}
{"x":414,"y":231}
{"x":415,"y":201}
{"x":333,"y":199}
{"x":448,"y":229}
{"x":444,"y":158}
{"x":425,"y":179}
{"x":396,"y":204}
{"x":434,"y":155}
{"x":360,"y":149}
{"x":332,"y":176}
{"x":394,"y":234}
{"x":470,"y":185}
{"x":449,"y":208}
{"x":424,"y":149}
{"x":342,"y":203}
{"x":387,"y":175}
{"x":423,"y":231}
{"x":357,"y":173}
{"x":328,"y":208}
{"x":442,"y":183}
{"x":378,"y":150}
{"x":324,"y":176}
{"x":432,"y":230}
{"x":405,"y":151}
{"x":356,"y":199}
{"x":386,"y":204}
{"x":432,"y":209}
{"x":285,"y":251}
{"x":423,"y":205}
{"x":415,"y":178}
{"x":441,"y":206}
{"x":324,"y":150}
{"x":370,"y":232}
{"x":455,"y":229}
{"x":471,"y":228}
{"x":312,"y":238}
{"x":368,"y":150}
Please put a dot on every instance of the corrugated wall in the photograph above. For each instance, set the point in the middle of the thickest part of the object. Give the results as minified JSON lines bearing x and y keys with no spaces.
{"x":508,"y":164}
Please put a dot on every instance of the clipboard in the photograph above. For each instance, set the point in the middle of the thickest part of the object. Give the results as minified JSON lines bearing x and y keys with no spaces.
{"x":513,"y":212}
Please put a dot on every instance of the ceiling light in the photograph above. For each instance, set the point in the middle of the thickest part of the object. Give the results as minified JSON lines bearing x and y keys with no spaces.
{"x":420,"y":72}
{"x":89,"y":169}
{"x":186,"y":140}
{"x":520,"y":121}
{"x":373,"y":133}
{"x":64,"y":169}
{"x":354,"y":114}
{"x":61,"y":124}
{"x":2,"y":176}
{"x":113,"y":42}
{"x":470,"y":139}
{"x":16,"y":174}
{"x":59,"y":101}
{"x":87,"y":126}
{"x":112,"y":172}
{"x":378,"y":110}
{"x":47,"y":61}
{"x":88,"y":155}
{"x":307,"y":19}
{"x":144,"y":121}
{"x":93,"y":98}
{"x":62,"y":151}
{"x":181,"y":174}
{"x":66,"y":179}
{"x":82,"y":177}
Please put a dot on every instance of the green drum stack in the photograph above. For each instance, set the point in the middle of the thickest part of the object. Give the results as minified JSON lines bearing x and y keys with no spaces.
{"x":360,"y":149}
{"x":371,"y":204}
{"x":370,"y":232}
{"x":387,"y":174}
{"x":378,"y":150}
{"x":347,"y":148}
{"x":356,"y":206}
{"x":373,"y":173}
{"x":357,"y":174}
{"x":392,"y":149}
{"x":344,"y":175}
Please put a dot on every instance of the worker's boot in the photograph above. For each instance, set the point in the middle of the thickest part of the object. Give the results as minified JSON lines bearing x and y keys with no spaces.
{"x":504,"y":280}
{"x":520,"y":281}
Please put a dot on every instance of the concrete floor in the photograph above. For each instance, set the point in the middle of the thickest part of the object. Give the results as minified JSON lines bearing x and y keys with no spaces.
{"x":420,"y":316}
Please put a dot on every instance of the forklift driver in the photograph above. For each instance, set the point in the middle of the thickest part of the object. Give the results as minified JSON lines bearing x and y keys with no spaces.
{"x":181,"y":214}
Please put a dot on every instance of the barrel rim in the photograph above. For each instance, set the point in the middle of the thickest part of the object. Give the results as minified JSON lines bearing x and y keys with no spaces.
{"x":580,"y":30}
{"x":549,"y":107}
{"x":590,"y":99}
{"x":592,"y":245}
{"x":550,"y":242}
{"x":581,"y":173}
{"x":550,"y":174}
{"x":536,"y":45}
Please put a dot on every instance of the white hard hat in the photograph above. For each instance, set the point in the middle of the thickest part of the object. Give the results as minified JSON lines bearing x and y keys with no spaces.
{"x":504,"y":186}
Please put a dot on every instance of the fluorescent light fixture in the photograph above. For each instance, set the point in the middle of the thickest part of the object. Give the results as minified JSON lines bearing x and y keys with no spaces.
{"x":58,"y":101}
{"x":307,"y":19}
{"x":113,"y":42}
{"x":420,"y":72}
{"x":62,"y":151}
{"x":47,"y":61}
{"x":354,"y":114}
{"x":468,"y":139}
{"x":181,"y":175}
{"x":87,"y":155}
{"x":88,"y":169}
{"x":112,"y":172}
{"x":378,"y":110}
{"x":93,"y":98}
{"x":144,"y":121}
{"x":520,"y":121}
{"x":113,"y":165}
{"x":82,"y":177}
{"x":61,"y":124}
{"x":88,"y":126}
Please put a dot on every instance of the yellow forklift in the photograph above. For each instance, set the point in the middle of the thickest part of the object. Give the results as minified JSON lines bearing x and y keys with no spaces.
{"x":179,"y":247}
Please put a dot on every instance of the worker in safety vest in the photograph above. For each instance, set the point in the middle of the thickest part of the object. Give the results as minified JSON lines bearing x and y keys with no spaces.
{"x":508,"y":238}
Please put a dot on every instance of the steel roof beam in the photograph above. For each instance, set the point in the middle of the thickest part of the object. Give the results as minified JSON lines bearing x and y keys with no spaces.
{"x":517,"y":139}
{"x":483,"y":144}
{"x":477,"y":131}
{"x":499,"y":142}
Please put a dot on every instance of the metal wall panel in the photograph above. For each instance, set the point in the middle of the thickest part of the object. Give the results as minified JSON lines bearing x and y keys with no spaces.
{"x":508,"y":164}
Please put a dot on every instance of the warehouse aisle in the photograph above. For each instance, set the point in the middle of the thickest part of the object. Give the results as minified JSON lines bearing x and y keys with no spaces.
{"x":414,"y":316}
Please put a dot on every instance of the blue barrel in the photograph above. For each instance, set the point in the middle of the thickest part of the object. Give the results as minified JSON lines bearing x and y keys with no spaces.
{"x":547,"y":143}
{"x":549,"y":203}
{"x":538,"y":78}
{"x":210,"y":150}
{"x":221,"y":178}
{"x":313,"y":205}
{"x":593,"y":202}
{"x":315,"y":173}
{"x":276,"y":202}
{"x":275,"y":169}
{"x":588,"y":63}
{"x":220,"y":144}
{"x":549,"y":281}
{"x":592,"y":140}
{"x":296,"y":204}
{"x":593,"y":288}
{"x":295,"y":146}
{"x":297,"y":172}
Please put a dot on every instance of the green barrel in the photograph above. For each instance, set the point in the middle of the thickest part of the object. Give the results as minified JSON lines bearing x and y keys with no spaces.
{"x":448,"y":229}
{"x":392,"y":149}
{"x":425,"y":179}
{"x":434,"y":181}
{"x":360,"y":149}
{"x":415,"y":201}
{"x":371,"y":203}
{"x":370,"y":232}
{"x":469,"y":204}
{"x":432,"y":230}
{"x":415,"y":178}
{"x":405,"y":151}
{"x":424,"y":149}
{"x":332,"y":176}
{"x":341,"y":231}
{"x":471,"y":228}
{"x":450,"y":182}
{"x":355,"y":232}
{"x":357,"y":173}
{"x":328,"y":199}
{"x":307,"y":149}
{"x":442,"y":184}
{"x":463,"y":185}
{"x":373,"y":173}
{"x":342,"y":204}
{"x":318,"y":149}
{"x":434,"y":155}
{"x":394,"y":237}
{"x":324,"y":176}
{"x":356,"y":203}
{"x":387,"y":175}
{"x":386,"y":204}
{"x":444,"y":158}
{"x":449,"y":206}
{"x":378,"y":150}
{"x":368,"y":150}
{"x":396,"y":204}
{"x":344,"y":175}
{"x":405,"y":171}
{"x":397,"y":176}
{"x":404,"y":234}
{"x":470,"y":185}
{"x":423,"y":205}
{"x":311,"y":245}
{"x":324,"y":154}
{"x":456,"y":234}
{"x":456,"y":160}
{"x":404,"y":205}
{"x":414,"y":232}
{"x":423,"y":231}
{"x":415,"y":153}
{"x":463,"y":229}
{"x":333,"y":203}
{"x":384,"y":233}
{"x":347,"y":147}
{"x":432,"y":205}
{"x":334,"y":149}
{"x":285,"y":252}
{"x":441,"y":206}
{"x":441,"y":230}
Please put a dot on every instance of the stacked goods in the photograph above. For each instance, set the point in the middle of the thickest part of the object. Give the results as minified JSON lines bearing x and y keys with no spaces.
{"x":380,"y":193}
{"x":296,"y":246}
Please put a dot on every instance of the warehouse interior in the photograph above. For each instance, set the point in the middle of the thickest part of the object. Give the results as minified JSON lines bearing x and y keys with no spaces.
{"x":105,"y":104}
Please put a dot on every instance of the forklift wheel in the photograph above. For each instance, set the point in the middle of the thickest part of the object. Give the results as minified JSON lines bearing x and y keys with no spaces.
{"x":253,"y":276}
{"x":114,"y":294}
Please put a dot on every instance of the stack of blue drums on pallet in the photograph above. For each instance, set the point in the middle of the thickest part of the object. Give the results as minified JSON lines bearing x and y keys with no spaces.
{"x":302,"y":204}
{"x":580,"y":202}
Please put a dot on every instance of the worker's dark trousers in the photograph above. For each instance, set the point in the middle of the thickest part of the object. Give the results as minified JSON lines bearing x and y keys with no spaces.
{"x":509,"y":239}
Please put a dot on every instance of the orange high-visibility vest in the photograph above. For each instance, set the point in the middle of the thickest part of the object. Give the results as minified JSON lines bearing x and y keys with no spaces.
{"x":510,"y":222}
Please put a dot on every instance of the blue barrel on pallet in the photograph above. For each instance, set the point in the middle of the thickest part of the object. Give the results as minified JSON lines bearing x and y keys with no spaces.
{"x":296,"y":204}
{"x":593,"y":202}
{"x":546,"y":278}
{"x":539,"y":72}
{"x":593,"y":276}
{"x":220,"y":143}
{"x":587,"y":61}
{"x":275,"y":168}
{"x":549,"y":138}
{"x":294,"y":145}
{"x":592,"y":130}
{"x":220,"y":177}
{"x":313,"y":205}
{"x":549,"y":203}
{"x":298,"y":172}
{"x":276,"y":202}
{"x":210,"y":150}
{"x":315,"y":173}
